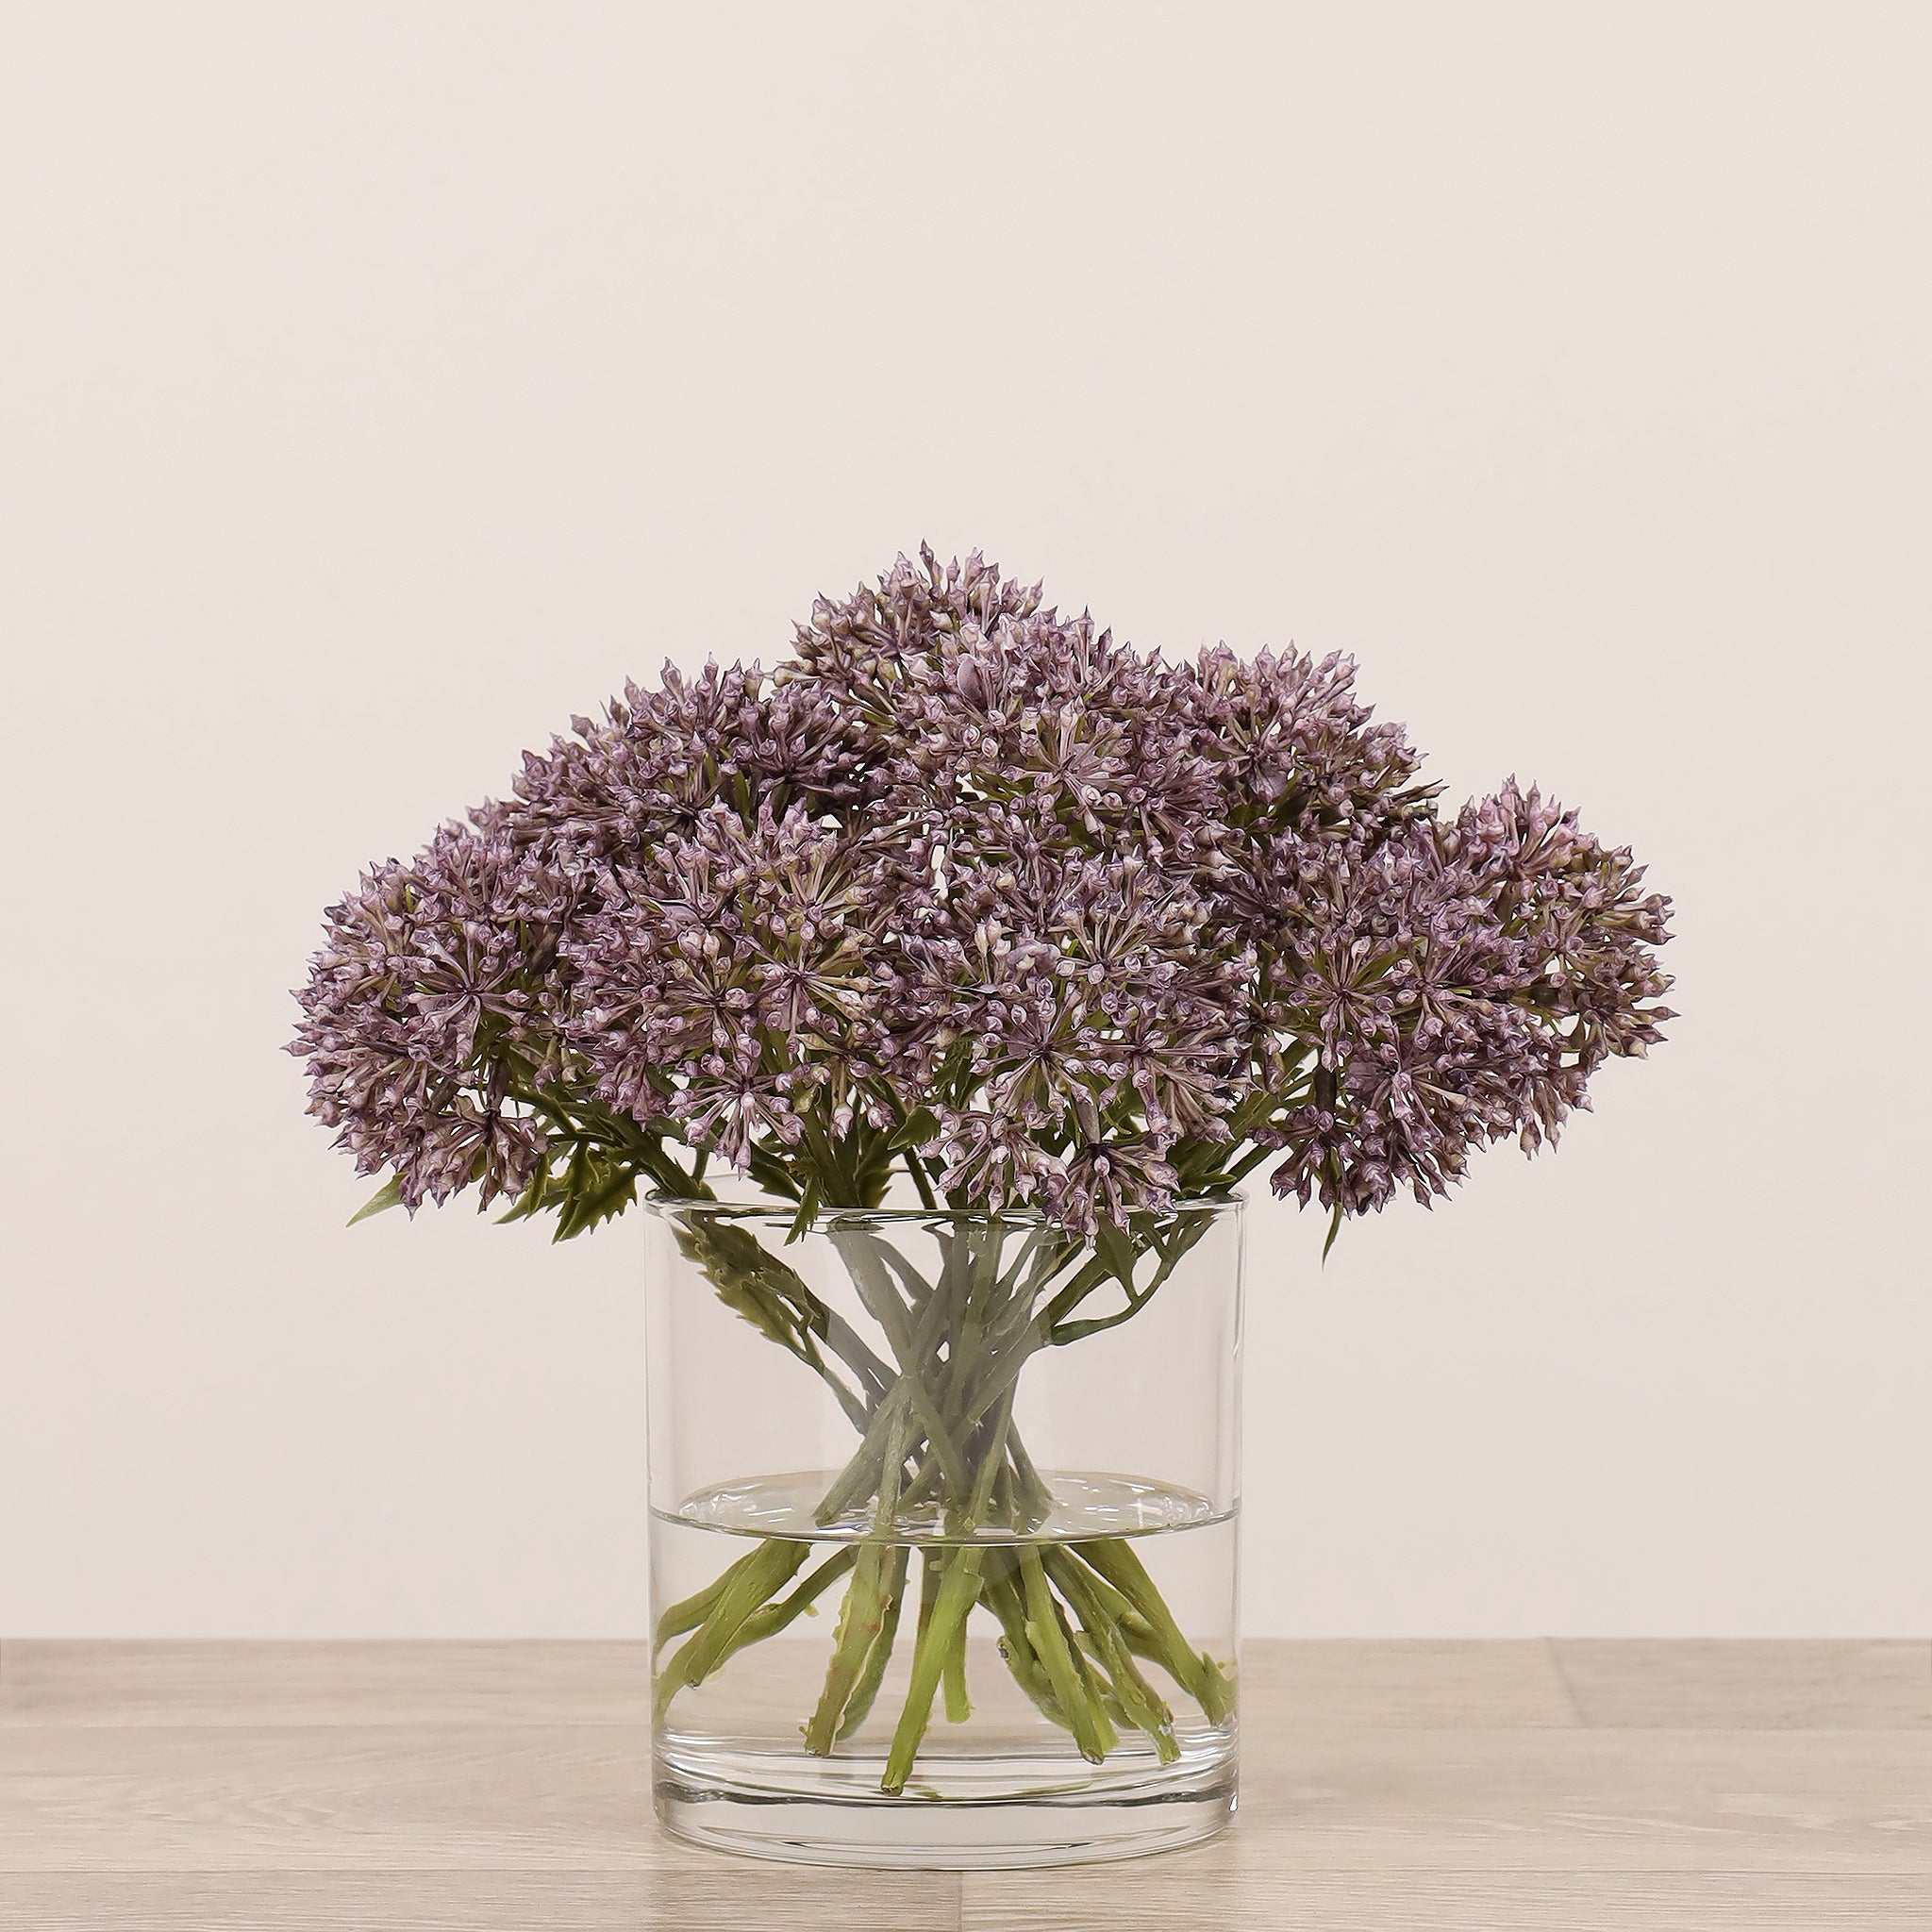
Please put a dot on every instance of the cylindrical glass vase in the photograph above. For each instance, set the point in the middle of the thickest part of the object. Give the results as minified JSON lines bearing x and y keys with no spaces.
{"x":944,"y":1532}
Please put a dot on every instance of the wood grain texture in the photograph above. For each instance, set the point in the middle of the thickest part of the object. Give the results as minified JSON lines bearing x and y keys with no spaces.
{"x":1173,"y":1893}
{"x":342,"y":1796}
{"x":1743,"y":1686}
{"x":176,"y":1685}
{"x":1589,"y":1800}
{"x":1404,"y":1683}
{"x":1586,"y":1787}
{"x":325,"y":1795}
{"x":725,"y":1895}
{"x":281,"y":1684}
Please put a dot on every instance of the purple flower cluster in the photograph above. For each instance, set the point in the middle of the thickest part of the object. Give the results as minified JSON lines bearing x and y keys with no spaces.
{"x":434,"y":981}
{"x":968,"y":887}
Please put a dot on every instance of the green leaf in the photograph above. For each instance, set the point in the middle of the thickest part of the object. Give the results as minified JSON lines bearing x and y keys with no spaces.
{"x":1334,"y":1229}
{"x":1119,"y":1253}
{"x":916,"y":1130}
{"x":807,"y":1212}
{"x":387,"y":1196}
{"x":572,"y":1186}
{"x":532,"y":1200}
{"x":598,"y":1190}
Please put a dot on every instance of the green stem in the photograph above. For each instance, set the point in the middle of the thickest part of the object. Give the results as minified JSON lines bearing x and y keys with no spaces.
{"x":858,"y":1707}
{"x":1137,"y":1701}
{"x":862,"y":1621}
{"x":1072,"y":1687}
{"x":866,"y":1473}
{"x":1194,"y":1671}
{"x":958,"y":1592}
{"x":952,"y":1681}
{"x":772,"y":1564}
{"x":692,"y":1611}
{"x":1003,"y":1595}
{"x":946,"y":1628}
{"x":774,"y":1617}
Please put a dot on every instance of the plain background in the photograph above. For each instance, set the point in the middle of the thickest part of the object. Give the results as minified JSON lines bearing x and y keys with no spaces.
{"x":380,"y":385}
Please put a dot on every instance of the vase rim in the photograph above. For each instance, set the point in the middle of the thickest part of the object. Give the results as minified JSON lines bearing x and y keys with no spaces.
{"x":746,"y":1204}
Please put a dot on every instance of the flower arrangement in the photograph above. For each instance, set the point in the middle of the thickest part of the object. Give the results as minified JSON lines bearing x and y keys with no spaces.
{"x":966,"y":892}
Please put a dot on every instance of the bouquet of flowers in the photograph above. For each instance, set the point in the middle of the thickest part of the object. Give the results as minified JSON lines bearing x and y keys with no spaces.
{"x":966,"y":894}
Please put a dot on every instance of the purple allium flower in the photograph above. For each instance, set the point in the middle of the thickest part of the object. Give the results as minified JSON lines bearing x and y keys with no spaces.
{"x":721,"y":978}
{"x":969,"y":885}
{"x":427,"y":1009}
{"x":1458,"y":988}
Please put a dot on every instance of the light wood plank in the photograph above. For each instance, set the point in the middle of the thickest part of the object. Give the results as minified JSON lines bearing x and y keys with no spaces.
{"x":1372,"y":1683}
{"x":726,"y":1895}
{"x":1394,"y":1786}
{"x":325,"y":1796}
{"x":177,"y":1684}
{"x":1179,"y":1894}
{"x":1579,"y":1800}
{"x":1193,"y":1891}
{"x":1525,"y":1799}
{"x":1738,"y":1686}
{"x":284,"y":1684}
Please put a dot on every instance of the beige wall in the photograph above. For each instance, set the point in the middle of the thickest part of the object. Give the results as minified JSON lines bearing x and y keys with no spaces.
{"x":379,"y":385}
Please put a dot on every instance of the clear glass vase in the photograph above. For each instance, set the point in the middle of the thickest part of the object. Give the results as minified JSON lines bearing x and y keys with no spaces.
{"x":944,"y":1532}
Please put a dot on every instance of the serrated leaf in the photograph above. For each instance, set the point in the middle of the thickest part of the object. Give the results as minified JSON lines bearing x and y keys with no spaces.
{"x":807,"y":1212}
{"x":607,"y":1190}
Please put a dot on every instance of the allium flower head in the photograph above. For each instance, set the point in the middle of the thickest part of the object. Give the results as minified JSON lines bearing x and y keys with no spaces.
{"x":970,"y":887}
{"x":433,"y":992}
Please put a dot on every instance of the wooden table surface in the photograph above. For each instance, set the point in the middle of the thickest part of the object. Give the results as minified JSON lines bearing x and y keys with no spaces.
{"x":468,"y":1787}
